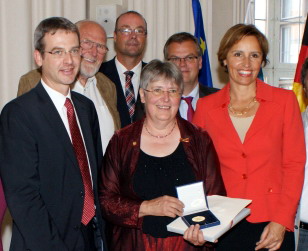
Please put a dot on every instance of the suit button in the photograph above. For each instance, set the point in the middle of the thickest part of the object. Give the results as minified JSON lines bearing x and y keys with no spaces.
{"x":77,"y":227}
{"x":244,"y":176}
{"x":244,"y":155}
{"x":81,"y":194}
{"x":270,"y":190}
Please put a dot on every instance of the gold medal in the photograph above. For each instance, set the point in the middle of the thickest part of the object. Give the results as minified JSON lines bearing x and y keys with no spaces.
{"x":198,"y":218}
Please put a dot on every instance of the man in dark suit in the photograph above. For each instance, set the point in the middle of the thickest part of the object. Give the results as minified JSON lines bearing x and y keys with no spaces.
{"x":91,"y":83}
{"x":124,"y":70}
{"x":50,"y":152}
{"x":183,"y":49}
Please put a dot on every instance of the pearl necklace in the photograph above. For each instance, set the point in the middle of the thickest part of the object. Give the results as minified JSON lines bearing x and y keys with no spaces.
{"x":245,"y":110}
{"x":159,"y":137}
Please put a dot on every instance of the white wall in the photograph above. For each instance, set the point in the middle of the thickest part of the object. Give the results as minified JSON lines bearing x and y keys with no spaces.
{"x":18,"y":19}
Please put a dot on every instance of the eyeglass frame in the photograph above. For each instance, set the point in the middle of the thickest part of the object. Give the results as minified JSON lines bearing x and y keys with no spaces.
{"x":158,"y":92}
{"x":187,"y":59}
{"x":98,"y":45}
{"x":63,"y":52}
{"x":129,"y":31}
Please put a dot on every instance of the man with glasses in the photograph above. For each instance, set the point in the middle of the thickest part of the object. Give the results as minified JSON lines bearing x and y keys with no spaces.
{"x":91,"y":83}
{"x":124,"y":70}
{"x":51,"y":153}
{"x":183,"y":50}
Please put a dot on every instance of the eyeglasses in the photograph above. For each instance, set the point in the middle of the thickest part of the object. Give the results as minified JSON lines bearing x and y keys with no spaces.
{"x":128,"y":31}
{"x":160,"y":92}
{"x":188,"y":59}
{"x":88,"y":44}
{"x":60,"y":53}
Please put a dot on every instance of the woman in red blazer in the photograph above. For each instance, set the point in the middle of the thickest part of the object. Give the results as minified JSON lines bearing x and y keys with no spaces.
{"x":258,"y":134}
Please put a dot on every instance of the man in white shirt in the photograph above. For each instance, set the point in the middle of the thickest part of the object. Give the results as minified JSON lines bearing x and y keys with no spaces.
{"x":183,"y":50}
{"x":303,"y":207}
{"x":51,"y":153}
{"x":91,"y":83}
{"x":124,"y":70}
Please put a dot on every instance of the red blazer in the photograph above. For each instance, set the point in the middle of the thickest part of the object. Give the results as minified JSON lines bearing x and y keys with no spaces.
{"x":269,"y":166}
{"x":120,"y":204}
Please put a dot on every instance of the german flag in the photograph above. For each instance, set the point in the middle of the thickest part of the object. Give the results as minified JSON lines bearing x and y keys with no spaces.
{"x":297,"y":85}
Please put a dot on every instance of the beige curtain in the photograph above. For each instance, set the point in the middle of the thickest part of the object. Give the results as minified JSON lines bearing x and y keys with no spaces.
{"x":18,"y":19}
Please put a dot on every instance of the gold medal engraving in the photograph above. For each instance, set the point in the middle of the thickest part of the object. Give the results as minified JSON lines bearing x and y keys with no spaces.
{"x":198,"y":218}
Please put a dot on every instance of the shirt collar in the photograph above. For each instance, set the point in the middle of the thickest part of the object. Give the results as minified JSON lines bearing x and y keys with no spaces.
{"x":89,"y":82}
{"x":194,"y":93}
{"x":122,"y":68}
{"x":57,"y":98}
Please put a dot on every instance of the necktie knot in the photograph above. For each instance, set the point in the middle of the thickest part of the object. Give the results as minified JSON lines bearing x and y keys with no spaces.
{"x":188,"y":100}
{"x":128,"y":75}
{"x":68,"y":104}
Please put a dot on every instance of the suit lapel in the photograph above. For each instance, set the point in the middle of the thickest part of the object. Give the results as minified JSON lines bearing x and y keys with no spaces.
{"x":83,"y":117}
{"x":110,"y":70}
{"x":121,"y":101}
{"x":265,"y":111}
{"x":220,"y":117}
{"x":52,"y":116}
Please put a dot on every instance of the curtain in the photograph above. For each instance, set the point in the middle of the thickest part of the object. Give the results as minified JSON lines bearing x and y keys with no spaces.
{"x":19,"y":19}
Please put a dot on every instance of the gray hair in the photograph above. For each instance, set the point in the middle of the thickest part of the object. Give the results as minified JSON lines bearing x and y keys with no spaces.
{"x":51,"y":25}
{"x":157,"y":70}
{"x":180,"y":38}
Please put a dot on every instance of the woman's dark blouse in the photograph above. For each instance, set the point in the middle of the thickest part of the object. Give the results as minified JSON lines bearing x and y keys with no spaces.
{"x":119,"y":202}
{"x":158,"y":176}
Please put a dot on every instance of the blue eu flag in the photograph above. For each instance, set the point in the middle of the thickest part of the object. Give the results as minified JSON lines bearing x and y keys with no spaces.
{"x":205,"y":76}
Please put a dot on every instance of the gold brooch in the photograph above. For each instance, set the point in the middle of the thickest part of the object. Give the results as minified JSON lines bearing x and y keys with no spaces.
{"x":186,"y":140}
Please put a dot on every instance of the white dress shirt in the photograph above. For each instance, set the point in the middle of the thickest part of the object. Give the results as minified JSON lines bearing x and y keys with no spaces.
{"x":183,"y":105}
{"x":105,"y":119}
{"x":304,"y":198}
{"x":135,"y":79}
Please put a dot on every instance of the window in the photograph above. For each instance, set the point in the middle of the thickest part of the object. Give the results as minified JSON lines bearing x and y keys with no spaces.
{"x":283,"y":23}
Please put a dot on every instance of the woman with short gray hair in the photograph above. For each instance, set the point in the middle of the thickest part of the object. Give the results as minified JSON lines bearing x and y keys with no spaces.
{"x":146,"y":160}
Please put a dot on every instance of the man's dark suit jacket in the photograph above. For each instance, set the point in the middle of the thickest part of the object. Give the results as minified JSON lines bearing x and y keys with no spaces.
{"x":204,"y":90}
{"x":40,"y":172}
{"x":110,"y":70}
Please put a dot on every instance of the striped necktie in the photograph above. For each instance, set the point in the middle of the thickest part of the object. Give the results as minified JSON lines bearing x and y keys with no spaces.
{"x":129,"y":93}
{"x":80,"y":151}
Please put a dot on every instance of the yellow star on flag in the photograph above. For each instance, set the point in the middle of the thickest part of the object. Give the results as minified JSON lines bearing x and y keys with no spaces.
{"x":202,"y":45}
